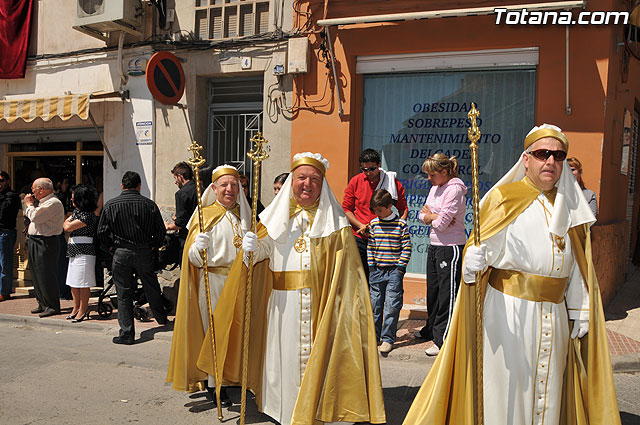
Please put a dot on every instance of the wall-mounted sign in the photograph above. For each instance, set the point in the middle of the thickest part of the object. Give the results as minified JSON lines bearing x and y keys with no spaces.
{"x":144,"y":132}
{"x":165,"y":78}
{"x":137,"y":66}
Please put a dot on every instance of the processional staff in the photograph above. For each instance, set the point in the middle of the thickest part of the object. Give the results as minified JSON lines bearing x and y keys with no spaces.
{"x":196,"y":162}
{"x":257,"y":155}
{"x":473,"y":133}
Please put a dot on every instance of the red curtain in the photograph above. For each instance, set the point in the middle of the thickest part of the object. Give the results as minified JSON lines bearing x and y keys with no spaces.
{"x":15,"y":21}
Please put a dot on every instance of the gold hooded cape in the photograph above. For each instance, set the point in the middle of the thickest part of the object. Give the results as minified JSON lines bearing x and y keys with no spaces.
{"x":447,"y":395}
{"x":188,"y":333}
{"x":342,"y":380}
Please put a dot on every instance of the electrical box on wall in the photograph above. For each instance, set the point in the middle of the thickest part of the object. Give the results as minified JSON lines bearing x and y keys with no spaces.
{"x":279,"y":61}
{"x":298,"y":54}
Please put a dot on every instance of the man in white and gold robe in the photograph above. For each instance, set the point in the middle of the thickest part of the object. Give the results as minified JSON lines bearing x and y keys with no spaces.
{"x":545,"y":352}
{"x":226,"y":216}
{"x":313,"y":353}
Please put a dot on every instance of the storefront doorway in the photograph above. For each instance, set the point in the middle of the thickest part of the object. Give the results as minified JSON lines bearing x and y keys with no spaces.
{"x":68,"y":157}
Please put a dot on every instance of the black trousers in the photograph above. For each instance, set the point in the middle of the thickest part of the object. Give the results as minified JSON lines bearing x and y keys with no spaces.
{"x":43,"y":261}
{"x":362,"y":250}
{"x":444,"y":266}
{"x":126,"y":262}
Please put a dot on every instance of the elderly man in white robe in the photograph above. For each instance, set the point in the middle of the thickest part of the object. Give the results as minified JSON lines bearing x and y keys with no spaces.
{"x":227,"y":216}
{"x":541,"y":299}
{"x":312,"y":354}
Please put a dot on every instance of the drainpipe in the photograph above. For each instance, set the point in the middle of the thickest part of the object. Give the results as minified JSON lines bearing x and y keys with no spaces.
{"x":567,"y":107}
{"x":335,"y":74}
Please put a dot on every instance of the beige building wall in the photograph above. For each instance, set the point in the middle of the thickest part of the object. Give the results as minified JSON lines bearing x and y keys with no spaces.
{"x":174,"y":126}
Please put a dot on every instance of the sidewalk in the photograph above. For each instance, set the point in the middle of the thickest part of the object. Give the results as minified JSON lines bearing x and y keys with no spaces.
{"x":622,"y":322}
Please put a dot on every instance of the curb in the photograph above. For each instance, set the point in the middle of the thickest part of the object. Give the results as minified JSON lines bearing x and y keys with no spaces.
{"x":629,"y":363}
{"x":63,"y":325}
{"x":625,"y":364}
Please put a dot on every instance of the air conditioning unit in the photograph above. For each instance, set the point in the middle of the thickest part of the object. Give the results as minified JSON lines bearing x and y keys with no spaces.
{"x":99,"y":17}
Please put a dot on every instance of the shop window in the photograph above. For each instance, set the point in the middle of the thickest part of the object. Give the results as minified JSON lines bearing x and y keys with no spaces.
{"x":220,"y":19}
{"x":408,"y":117}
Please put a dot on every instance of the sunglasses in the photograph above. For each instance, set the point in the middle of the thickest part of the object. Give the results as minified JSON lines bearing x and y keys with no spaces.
{"x":369,"y":168}
{"x":544,"y":154}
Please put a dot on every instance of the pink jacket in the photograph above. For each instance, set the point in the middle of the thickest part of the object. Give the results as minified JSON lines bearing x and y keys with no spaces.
{"x":448,"y":202}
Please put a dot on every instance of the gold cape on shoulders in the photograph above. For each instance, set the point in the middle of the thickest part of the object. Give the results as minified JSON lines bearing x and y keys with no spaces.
{"x":188,"y":333}
{"x":342,"y":379}
{"x":447,"y":395}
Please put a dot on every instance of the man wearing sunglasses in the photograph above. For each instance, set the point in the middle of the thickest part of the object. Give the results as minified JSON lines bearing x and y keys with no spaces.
{"x":542,"y":305}
{"x":357,"y":197}
{"x":9,"y":206}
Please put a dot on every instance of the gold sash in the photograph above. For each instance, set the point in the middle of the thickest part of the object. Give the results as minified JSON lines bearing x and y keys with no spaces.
{"x":290,"y":281}
{"x":219,"y":270}
{"x":529,"y":286}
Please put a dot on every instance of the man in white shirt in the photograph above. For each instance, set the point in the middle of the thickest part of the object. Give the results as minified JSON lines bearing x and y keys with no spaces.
{"x":43,"y":245}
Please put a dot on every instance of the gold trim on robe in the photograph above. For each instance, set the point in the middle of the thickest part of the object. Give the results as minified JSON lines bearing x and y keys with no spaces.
{"x":342,"y":380}
{"x":447,"y":395}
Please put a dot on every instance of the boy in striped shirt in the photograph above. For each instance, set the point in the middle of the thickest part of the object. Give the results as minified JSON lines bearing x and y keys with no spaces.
{"x":388,"y":253}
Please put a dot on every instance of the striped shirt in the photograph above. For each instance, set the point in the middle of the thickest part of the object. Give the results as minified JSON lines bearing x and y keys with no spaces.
{"x":389,"y":243}
{"x":131,"y":220}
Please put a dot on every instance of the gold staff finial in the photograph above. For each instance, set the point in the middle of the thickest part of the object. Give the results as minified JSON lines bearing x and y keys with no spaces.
{"x":196,"y":162}
{"x":257,"y":155}
{"x":474,"y":135}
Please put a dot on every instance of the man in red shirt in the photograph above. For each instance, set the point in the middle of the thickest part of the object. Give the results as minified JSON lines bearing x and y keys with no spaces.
{"x":358,"y":194}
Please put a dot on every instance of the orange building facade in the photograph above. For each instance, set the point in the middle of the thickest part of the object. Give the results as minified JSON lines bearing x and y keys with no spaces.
{"x":404,"y":87}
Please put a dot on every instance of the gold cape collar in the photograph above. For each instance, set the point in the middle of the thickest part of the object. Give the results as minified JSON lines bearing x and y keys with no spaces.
{"x":295,"y":208}
{"x":549,"y":194}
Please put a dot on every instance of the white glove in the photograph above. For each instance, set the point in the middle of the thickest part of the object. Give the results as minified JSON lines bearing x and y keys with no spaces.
{"x":250,"y":242}
{"x":202,"y":241}
{"x":580,"y":328}
{"x":475,"y":260}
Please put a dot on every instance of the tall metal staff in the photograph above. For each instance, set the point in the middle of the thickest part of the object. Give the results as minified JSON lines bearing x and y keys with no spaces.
{"x":257,"y":155}
{"x":196,"y":162}
{"x":473,"y":133}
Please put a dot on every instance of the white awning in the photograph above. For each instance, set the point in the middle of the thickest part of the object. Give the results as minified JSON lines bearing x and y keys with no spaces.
{"x":65,"y":107}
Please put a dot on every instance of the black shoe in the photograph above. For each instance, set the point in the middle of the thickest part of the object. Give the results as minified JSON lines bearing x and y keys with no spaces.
{"x":118,"y":340}
{"x":81,"y":318}
{"x":225,"y":401}
{"x":48,"y":313}
{"x":37,"y":310}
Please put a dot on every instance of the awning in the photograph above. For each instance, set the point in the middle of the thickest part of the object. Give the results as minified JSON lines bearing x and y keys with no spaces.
{"x":46,"y":108}
{"x":65,"y":107}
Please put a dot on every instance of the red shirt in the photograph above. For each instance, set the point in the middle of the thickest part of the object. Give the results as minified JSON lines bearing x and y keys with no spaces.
{"x":357,"y":197}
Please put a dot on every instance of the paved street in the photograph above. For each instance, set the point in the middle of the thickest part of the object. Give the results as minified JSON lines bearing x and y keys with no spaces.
{"x":65,"y":376}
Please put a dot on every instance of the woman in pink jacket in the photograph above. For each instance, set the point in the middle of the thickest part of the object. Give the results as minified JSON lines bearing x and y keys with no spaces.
{"x":444,"y":211}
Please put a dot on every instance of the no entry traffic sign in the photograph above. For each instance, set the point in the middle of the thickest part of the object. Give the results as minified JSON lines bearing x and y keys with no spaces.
{"x":165,"y":78}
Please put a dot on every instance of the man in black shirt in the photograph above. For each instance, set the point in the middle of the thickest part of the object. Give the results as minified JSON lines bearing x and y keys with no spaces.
{"x":186,"y":200}
{"x":131,"y":226}
{"x":9,"y":206}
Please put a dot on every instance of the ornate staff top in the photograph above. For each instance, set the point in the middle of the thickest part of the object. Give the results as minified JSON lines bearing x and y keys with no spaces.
{"x":197,"y":159}
{"x":258,"y":153}
{"x":473,"y":132}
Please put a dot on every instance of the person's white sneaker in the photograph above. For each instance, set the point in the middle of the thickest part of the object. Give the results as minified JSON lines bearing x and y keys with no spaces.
{"x":432,"y":351}
{"x":386,"y":347}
